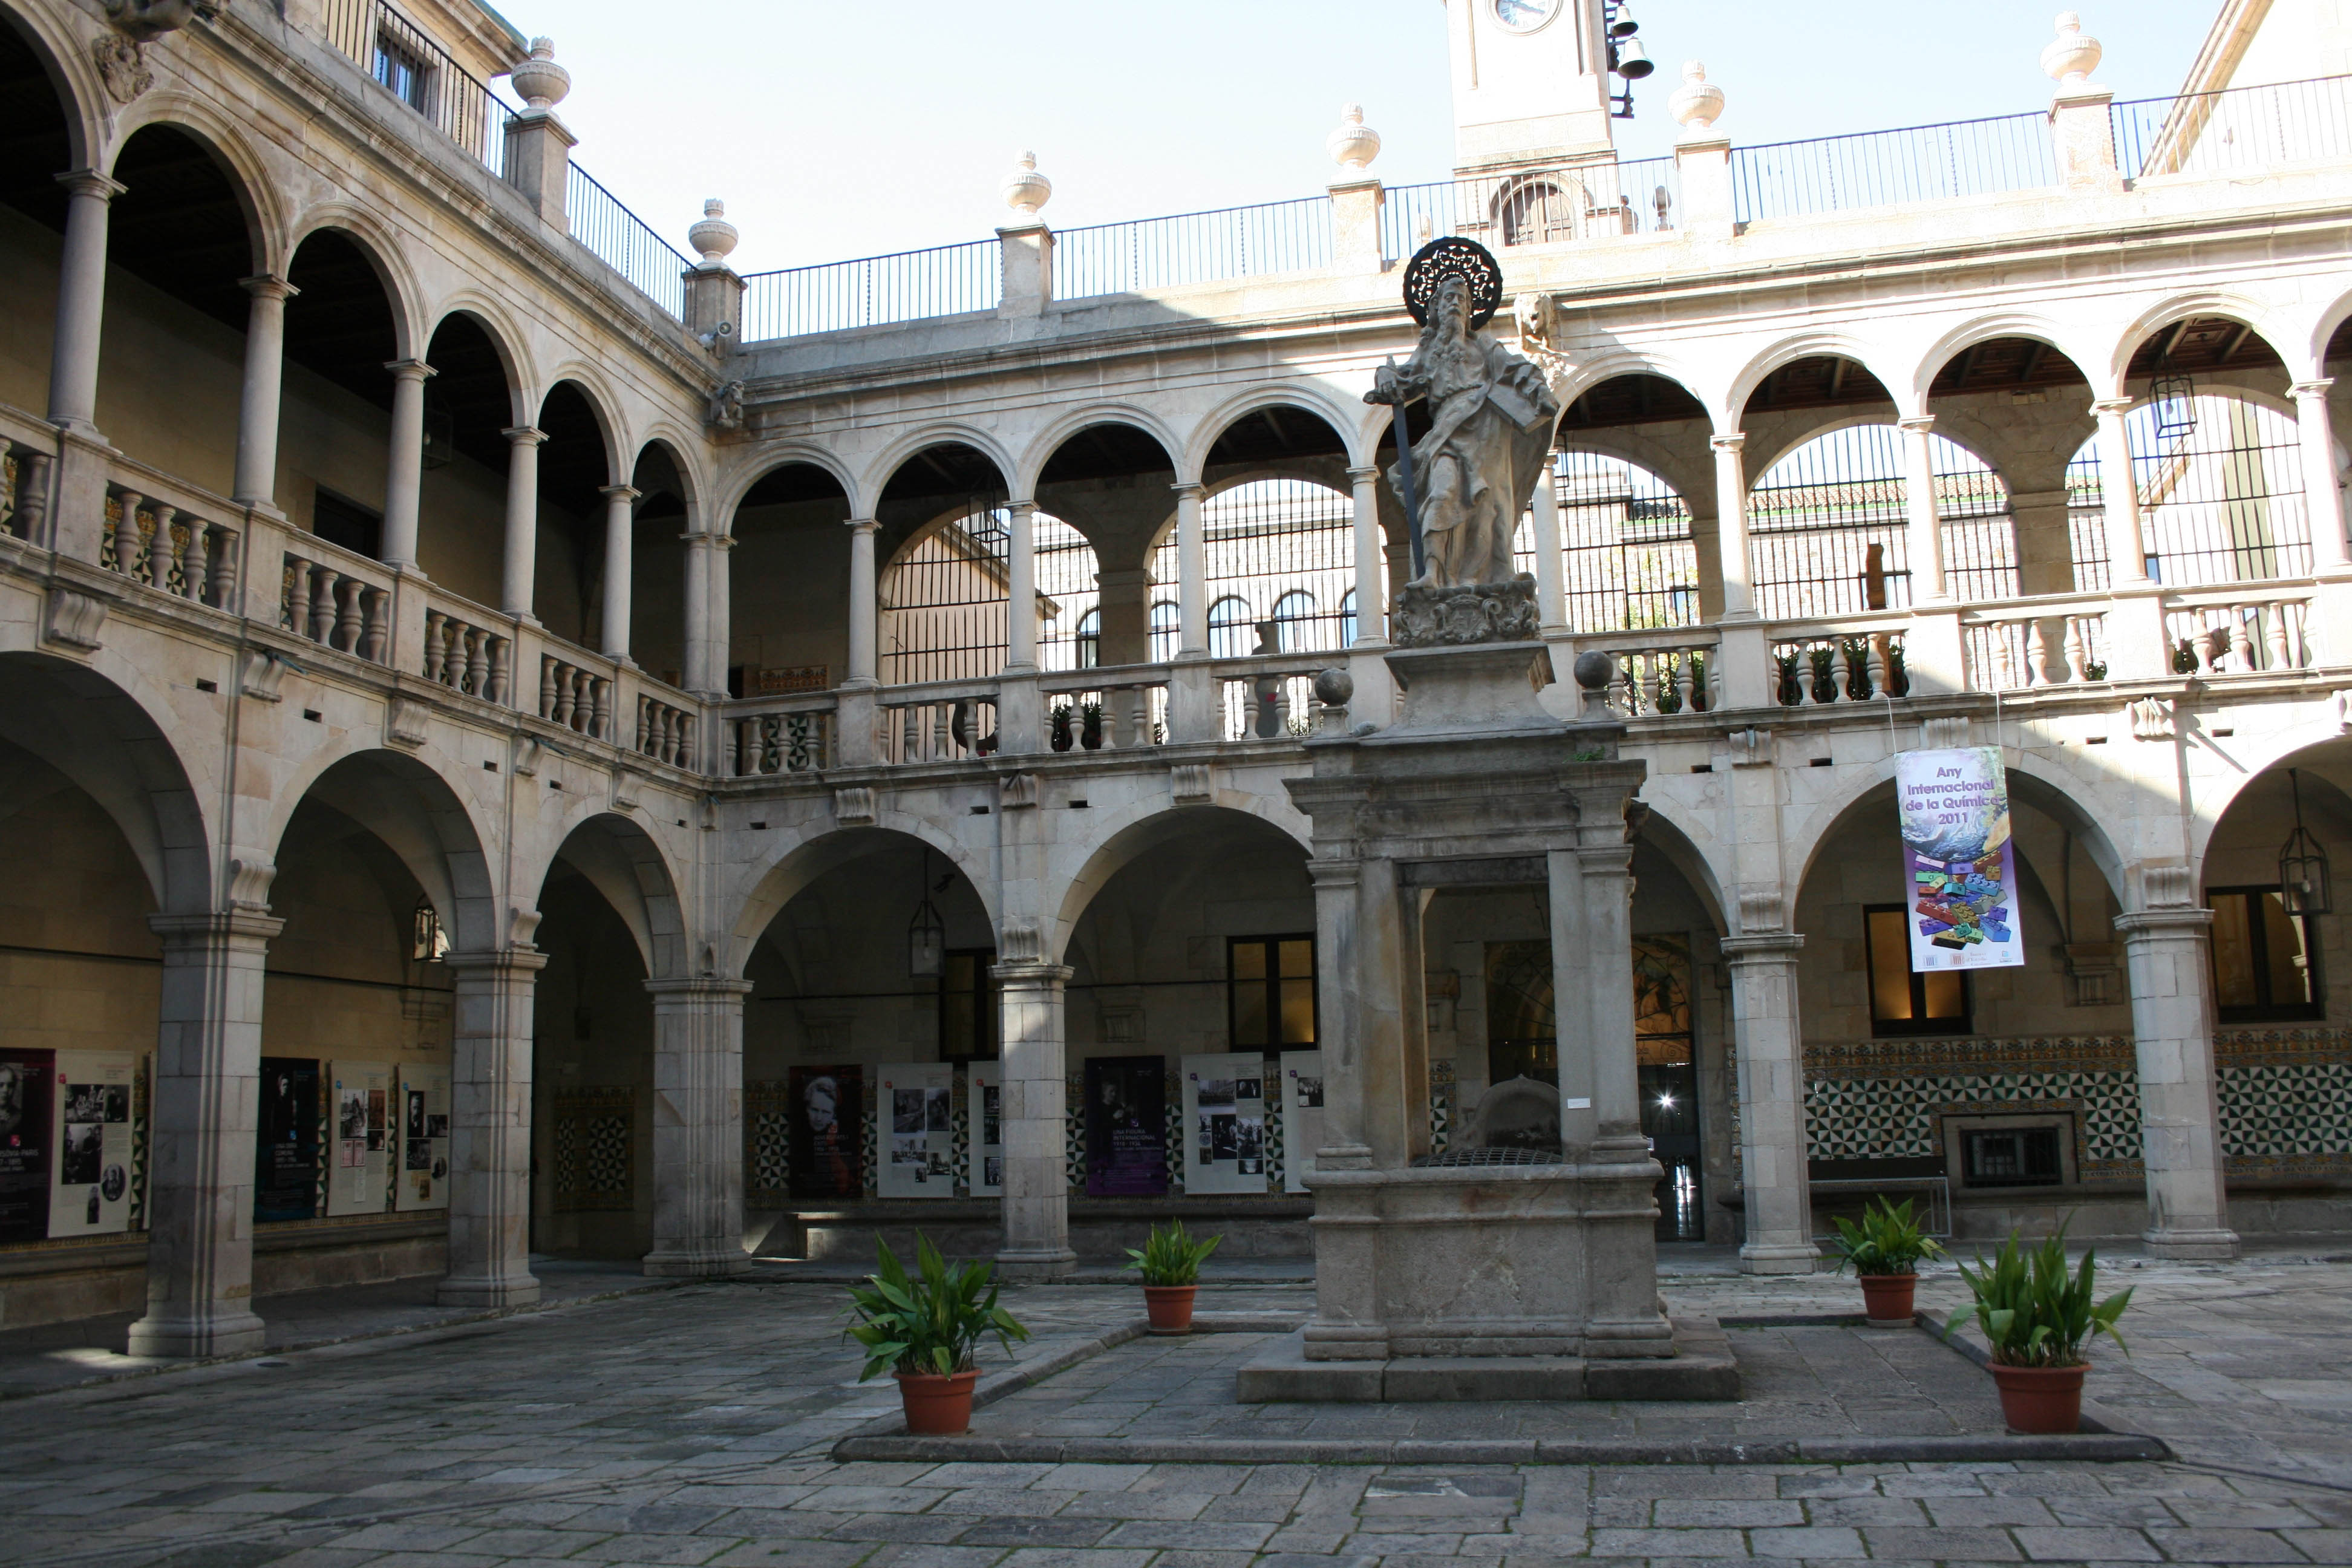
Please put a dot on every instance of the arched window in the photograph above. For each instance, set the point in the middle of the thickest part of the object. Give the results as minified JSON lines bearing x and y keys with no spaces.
{"x":1536,"y":212}
{"x":1166,"y":629}
{"x":1089,"y":641}
{"x":2220,"y":495}
{"x":1629,"y":561}
{"x":1268,"y":539}
{"x":1293,"y":621}
{"x":1348,"y":620}
{"x":944,"y":599}
{"x":1230,"y":634}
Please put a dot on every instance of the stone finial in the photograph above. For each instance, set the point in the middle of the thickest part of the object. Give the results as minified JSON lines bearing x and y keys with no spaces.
{"x":540,"y":79}
{"x":714,"y":236}
{"x":1595,"y":671}
{"x":1025,"y":190}
{"x":1334,"y":686}
{"x":2071,"y":57}
{"x":1354,"y":144}
{"x":1698,"y":101}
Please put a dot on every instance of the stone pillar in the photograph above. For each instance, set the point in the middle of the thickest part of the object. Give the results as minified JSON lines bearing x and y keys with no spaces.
{"x":538,"y":163}
{"x":81,"y":300}
{"x":1927,"y":523}
{"x":697,"y":659}
{"x":1371,"y":573}
{"x":1772,"y":1147}
{"x":265,"y":374}
{"x":697,"y":1127}
{"x":1036,"y":1186}
{"x":2323,"y":490}
{"x":722,"y":623}
{"x":1551,"y":599}
{"x":1192,"y":569}
{"x":1027,"y":251}
{"x":1124,"y":597}
{"x":2119,"y":485}
{"x":2172,"y":1027}
{"x":208,"y":1093}
{"x":489,"y":1130}
{"x":620,"y":563}
{"x":522,"y":518}
{"x":862,"y":602}
{"x":1356,"y":205}
{"x":2082,"y":135}
{"x":1703,"y":169}
{"x":1357,"y":1001}
{"x":1021,"y":590}
{"x":1731,"y":525}
{"x":403,"y":475}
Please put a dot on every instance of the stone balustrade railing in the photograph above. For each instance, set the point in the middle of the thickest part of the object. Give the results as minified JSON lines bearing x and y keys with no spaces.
{"x":336,"y":599}
{"x":787,"y":735}
{"x":464,"y":654}
{"x":938,"y":722}
{"x":173,"y":547}
{"x":1106,"y":709}
{"x":1824,"y":665}
{"x":665,"y":731}
{"x":1674,"y":672}
{"x":575,"y":697}
{"x":27,"y":454}
{"x":2062,"y":644}
{"x":2235,"y":630}
{"x":1269,"y":697}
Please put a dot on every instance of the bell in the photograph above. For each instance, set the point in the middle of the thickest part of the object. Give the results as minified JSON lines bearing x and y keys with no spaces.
{"x":1631,"y":61}
{"x":1622,"y":23}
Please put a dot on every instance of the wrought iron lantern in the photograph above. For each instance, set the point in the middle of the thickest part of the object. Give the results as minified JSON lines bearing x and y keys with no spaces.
{"x":440,"y":448}
{"x":2173,"y":395}
{"x":2302,"y":864}
{"x":430,"y":941}
{"x":927,"y":936}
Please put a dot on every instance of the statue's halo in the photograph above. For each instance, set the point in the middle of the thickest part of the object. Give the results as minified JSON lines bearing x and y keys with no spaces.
{"x":1453,"y":257}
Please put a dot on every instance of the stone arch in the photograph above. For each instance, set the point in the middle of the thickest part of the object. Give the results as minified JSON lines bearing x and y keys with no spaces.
{"x":767,"y":459}
{"x":1043,"y":447}
{"x":384,"y":251}
{"x":226,"y":143}
{"x":878,"y":473}
{"x":619,"y":447}
{"x":1685,"y":844}
{"x":425,"y":823}
{"x":1128,"y":834}
{"x":765,"y":887}
{"x":1358,"y":428}
{"x":1615,"y":360}
{"x":1787,"y":351}
{"x":2304,"y":744}
{"x":2330,"y":319}
{"x":82,"y":97}
{"x":1968,"y":334}
{"x":506,"y":339}
{"x":2230,"y":306}
{"x":686,"y":455}
{"x":628,"y":866}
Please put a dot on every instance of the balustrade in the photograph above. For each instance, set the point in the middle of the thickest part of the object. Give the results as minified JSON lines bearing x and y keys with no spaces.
{"x":2056,"y":648}
{"x":1675,"y":678}
{"x":168,"y":547}
{"x":2240,"y":636}
{"x":937,"y":729}
{"x":24,"y":489}
{"x":334,"y":607}
{"x":793,"y":740}
{"x":578,"y":698}
{"x":1100,"y":710}
{"x":665,"y":732}
{"x":466,"y":657}
{"x":1830,"y":667}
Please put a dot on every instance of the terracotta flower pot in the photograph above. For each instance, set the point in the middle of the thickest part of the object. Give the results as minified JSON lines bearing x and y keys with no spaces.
{"x":937,"y":1405}
{"x":1887,"y":1298}
{"x":2038,"y":1400}
{"x":1169,"y":1308}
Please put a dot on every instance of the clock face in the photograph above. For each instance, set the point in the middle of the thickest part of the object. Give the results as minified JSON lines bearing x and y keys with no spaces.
{"x":1524,"y":15}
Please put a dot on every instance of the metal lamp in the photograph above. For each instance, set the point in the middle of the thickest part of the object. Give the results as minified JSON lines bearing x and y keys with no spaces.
{"x":429,"y":943}
{"x":2303,"y":865}
{"x":927,"y":936}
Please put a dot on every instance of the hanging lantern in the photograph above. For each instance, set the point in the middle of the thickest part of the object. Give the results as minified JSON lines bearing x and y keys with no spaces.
{"x":2302,"y":864}
{"x":927,"y":936}
{"x":2173,"y":395}
{"x":429,"y":940}
{"x":440,"y":448}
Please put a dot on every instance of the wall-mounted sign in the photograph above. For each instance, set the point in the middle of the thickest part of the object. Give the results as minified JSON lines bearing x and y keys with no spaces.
{"x":828,"y":1158}
{"x":1127,"y":1128}
{"x":987,"y":1135}
{"x":1302,"y":1116}
{"x":421,"y":1124}
{"x":286,"y":1140}
{"x":90,"y":1186}
{"x":360,"y":1138}
{"x":1224,"y":1124}
{"x":918,"y":1110}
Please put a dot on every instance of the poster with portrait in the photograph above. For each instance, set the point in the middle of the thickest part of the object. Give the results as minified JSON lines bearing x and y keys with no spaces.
{"x":1224,"y":1124}
{"x":286,"y":1140}
{"x":1302,"y":1117}
{"x":986,"y":1113}
{"x":828,"y":1158}
{"x":918,"y":1110}
{"x":359,"y":1148}
{"x":25,"y":1150}
{"x":89,"y":1184}
{"x":1125,"y":1127}
{"x":1960,"y":867}
{"x":417,"y":1140}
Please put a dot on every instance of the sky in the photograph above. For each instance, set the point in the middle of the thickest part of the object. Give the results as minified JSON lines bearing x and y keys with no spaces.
{"x":835,"y":128}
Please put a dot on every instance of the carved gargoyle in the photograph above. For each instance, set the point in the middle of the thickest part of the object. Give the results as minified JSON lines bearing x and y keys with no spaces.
{"x":726,"y":411}
{"x":143,"y":20}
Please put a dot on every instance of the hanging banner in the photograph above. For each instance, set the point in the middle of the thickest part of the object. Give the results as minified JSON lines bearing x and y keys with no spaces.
{"x":420,"y":1105}
{"x":827,"y":1155}
{"x":90,"y":1190}
{"x":987,"y":1178}
{"x":918,"y":1098}
{"x":360,"y":1157}
{"x":1302,"y":1116}
{"x":1224,"y":1124}
{"x":1958,"y":862}
{"x":1127,"y":1147}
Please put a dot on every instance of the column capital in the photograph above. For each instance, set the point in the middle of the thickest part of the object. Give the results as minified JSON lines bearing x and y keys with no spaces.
{"x":90,"y":183}
{"x":214,"y":928}
{"x":1365,"y":475}
{"x":1763,"y":948}
{"x":1731,"y":443}
{"x":1031,"y":974}
{"x":620,"y":492}
{"x":699,"y":987}
{"x":1335,"y":873}
{"x":1917,"y":424}
{"x":267,"y":286}
{"x":2163,"y":923}
{"x":499,"y":965}
{"x":2316,"y":387}
{"x":864,"y":525}
{"x":1021,"y":503}
{"x":414,"y":370}
{"x":2112,"y":408}
{"x":523,"y":435}
{"x":1188,"y":489}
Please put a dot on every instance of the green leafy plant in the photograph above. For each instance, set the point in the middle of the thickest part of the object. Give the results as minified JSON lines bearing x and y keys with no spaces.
{"x":2032,"y":1311}
{"x":1168,"y":1257}
{"x":1887,"y":1241}
{"x":930,"y":1323}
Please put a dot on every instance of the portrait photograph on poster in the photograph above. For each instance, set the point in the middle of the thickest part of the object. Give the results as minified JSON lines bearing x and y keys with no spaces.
{"x":1126,"y":1151}
{"x":375,"y":1120}
{"x":828,"y":1116}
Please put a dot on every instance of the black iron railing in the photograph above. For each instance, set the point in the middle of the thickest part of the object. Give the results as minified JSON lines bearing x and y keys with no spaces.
{"x":2240,"y":127}
{"x":947,"y":280}
{"x":1192,"y":247}
{"x":624,"y":242}
{"x":419,"y":72}
{"x":1884,"y":168}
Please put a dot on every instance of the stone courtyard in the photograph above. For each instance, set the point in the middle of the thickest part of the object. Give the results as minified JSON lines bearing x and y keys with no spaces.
{"x":697,"y":1422}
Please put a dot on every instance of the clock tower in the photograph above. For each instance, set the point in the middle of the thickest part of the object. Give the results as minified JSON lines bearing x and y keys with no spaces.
{"x":1530,"y":82}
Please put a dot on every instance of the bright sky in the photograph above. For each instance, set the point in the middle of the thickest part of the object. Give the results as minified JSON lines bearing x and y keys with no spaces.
{"x":835,"y":128}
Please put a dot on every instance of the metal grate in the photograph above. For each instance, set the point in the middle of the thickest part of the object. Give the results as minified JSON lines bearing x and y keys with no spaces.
{"x":1629,"y":559}
{"x":2224,"y":503}
{"x":403,"y":58}
{"x":2240,"y":127}
{"x":1278,"y":550}
{"x":624,"y":242}
{"x":2087,"y":521}
{"x":944,"y":601}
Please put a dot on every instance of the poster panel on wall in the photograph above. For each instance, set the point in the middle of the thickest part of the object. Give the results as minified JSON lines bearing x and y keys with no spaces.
{"x":24,"y":1147}
{"x":1959,"y":866}
{"x":419,"y":1134}
{"x":286,"y":1139}
{"x":828,"y":1158}
{"x":987,"y":1113}
{"x":1127,"y":1128}
{"x":918,"y":1109}
{"x":1224,"y":1124}
{"x":359,"y":1135}
{"x":1302,"y":1116}
{"x":90,"y":1185}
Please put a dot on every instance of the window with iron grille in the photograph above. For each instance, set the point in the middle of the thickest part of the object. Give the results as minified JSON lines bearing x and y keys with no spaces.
{"x":2220,"y":495}
{"x":1628,"y":559}
{"x":945,"y":598}
{"x":1278,"y":550}
{"x":1166,"y":629}
{"x":404,"y":70}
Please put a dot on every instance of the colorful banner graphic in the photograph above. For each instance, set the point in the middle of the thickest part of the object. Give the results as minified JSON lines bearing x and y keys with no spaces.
{"x":1958,"y":860}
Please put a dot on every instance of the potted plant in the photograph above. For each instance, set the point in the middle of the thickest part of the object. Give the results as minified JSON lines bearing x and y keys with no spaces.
{"x":1883,"y":1251}
{"x":1058,"y":733}
{"x":2039,"y":1319}
{"x":1090,"y":726}
{"x":1170,"y":1263}
{"x":925,"y":1330}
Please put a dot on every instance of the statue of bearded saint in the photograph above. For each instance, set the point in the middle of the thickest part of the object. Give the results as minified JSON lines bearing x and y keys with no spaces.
{"x":1484,"y":450}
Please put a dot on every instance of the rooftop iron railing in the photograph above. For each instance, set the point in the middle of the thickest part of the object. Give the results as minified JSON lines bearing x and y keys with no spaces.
{"x":1192,"y":247}
{"x":419,"y":72}
{"x":1547,"y":206}
{"x":946,"y":281}
{"x":2239,"y":128}
{"x":624,"y":242}
{"x":1884,"y":168}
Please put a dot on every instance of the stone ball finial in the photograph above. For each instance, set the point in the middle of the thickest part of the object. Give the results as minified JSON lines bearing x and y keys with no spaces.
{"x":714,"y":236}
{"x":2071,"y":57}
{"x":1334,"y":686}
{"x":1698,"y":101}
{"x":540,"y":79}
{"x":1025,"y":190}
{"x":1595,"y":671}
{"x":1355,"y":145}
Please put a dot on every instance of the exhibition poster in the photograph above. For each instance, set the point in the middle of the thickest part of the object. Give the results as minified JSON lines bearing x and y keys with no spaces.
{"x":918,"y":1140}
{"x":1126,"y":1126}
{"x":1959,"y":866}
{"x":827,"y":1133}
{"x":25,"y":1108}
{"x":90,"y":1188}
{"x":1224,"y":1124}
{"x":286,"y":1140}
{"x":419,"y":1134}
{"x":1302,"y":1116}
{"x":987,"y":1113}
{"x":359,"y":1157}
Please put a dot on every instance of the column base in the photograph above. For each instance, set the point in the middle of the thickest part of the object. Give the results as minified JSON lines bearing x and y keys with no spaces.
{"x":691,"y":1260}
{"x":1030,"y":1267}
{"x":214,"y":1334}
{"x":510,"y":1291}
{"x":1759,"y":1258}
{"x":2218,"y":1246}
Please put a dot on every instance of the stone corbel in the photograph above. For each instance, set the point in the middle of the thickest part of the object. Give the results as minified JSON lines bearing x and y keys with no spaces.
{"x":1750,"y":748}
{"x":1020,"y":942}
{"x":1192,"y":783}
{"x":264,"y":675}
{"x":853,"y":806}
{"x":1016,"y":792}
{"x":75,"y":619}
{"x":2151,"y":719}
{"x":250,"y":876}
{"x":2168,"y":887}
{"x":1947,"y":734}
{"x":143,"y":21}
{"x":2343,"y":704}
{"x":2091,"y":967}
{"x":523,"y":926}
{"x":405,"y":720}
{"x":526,"y":758}
{"x":1761,"y":911}
{"x":628,"y":787}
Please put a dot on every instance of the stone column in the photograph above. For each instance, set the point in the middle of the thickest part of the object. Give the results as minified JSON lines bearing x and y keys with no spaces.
{"x":1357,"y":986}
{"x":81,"y":300}
{"x":1731,"y":525}
{"x":489,"y":1130}
{"x":863,"y":602}
{"x":696,"y":660}
{"x":208,"y":1093}
{"x":403,"y":475}
{"x":2180,"y":1124}
{"x":1927,"y":523}
{"x":1772,"y":1146}
{"x":522,"y":518}
{"x":697,"y":1127}
{"x":1371,"y":569}
{"x":1021,"y":591}
{"x":1340,"y":1001}
{"x":723,"y":619}
{"x":265,"y":374}
{"x":620,"y":549}
{"x":2126,"y":556}
{"x":1551,"y":598}
{"x":2323,"y":491}
{"x":1124,"y":600}
{"x":1036,"y":1186}
{"x":1194,"y":711}
{"x":1192,"y":569}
